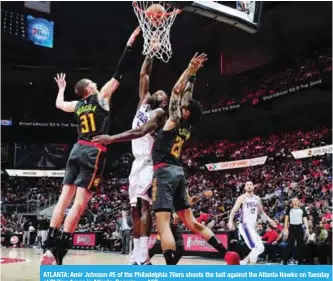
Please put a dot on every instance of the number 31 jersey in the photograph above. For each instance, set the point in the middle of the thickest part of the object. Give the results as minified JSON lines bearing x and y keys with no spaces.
{"x":168,"y":144}
{"x":92,"y":118}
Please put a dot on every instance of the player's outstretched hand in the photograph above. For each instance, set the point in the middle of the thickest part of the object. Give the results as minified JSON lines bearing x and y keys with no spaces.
{"x":208,"y":193}
{"x":231,"y":225}
{"x":61,"y":80}
{"x":133,"y":36}
{"x":102,"y":139}
{"x":198,"y":61}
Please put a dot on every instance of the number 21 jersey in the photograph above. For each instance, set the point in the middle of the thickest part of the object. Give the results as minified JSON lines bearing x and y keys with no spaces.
{"x":92,"y":118}
{"x":168,"y":144}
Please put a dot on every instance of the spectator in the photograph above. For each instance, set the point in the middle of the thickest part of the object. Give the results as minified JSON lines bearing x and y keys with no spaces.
{"x":270,"y":236}
{"x":26,"y":233}
{"x":321,"y":243}
{"x":125,"y":223}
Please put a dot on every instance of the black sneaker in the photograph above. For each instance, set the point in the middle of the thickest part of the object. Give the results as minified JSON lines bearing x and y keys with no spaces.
{"x":53,"y":256}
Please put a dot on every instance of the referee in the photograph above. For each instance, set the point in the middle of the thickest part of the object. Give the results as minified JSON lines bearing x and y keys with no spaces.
{"x":295,"y":217}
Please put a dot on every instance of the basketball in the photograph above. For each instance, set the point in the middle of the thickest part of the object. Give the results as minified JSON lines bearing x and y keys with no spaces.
{"x":155,"y":13}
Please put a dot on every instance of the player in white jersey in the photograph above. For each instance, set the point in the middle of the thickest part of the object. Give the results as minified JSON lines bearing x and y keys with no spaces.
{"x":250,"y":207}
{"x":142,"y":169}
{"x":149,"y":117}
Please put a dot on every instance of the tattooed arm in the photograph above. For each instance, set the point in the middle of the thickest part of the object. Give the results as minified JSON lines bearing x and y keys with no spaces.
{"x":174,"y":109}
{"x":188,"y":92}
{"x":175,"y":101}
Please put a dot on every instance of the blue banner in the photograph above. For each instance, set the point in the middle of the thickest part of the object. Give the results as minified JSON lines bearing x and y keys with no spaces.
{"x":184,"y":272}
{"x":40,"y":31}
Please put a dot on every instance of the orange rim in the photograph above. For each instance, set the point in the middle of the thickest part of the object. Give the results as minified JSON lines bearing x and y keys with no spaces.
{"x":149,"y":14}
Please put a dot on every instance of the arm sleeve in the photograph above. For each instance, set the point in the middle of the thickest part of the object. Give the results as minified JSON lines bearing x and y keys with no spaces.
{"x":123,"y":63}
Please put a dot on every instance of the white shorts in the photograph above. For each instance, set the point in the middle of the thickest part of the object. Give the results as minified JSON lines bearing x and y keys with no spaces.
{"x":140,"y":180}
{"x":250,"y":236}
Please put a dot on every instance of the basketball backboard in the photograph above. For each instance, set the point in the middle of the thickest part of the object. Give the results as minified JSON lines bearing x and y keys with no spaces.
{"x":241,"y":14}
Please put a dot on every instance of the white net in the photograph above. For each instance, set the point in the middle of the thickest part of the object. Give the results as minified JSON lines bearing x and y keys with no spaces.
{"x":155,"y":25}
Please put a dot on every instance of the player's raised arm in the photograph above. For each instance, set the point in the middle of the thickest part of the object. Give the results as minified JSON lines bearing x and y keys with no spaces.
{"x":67,"y":106}
{"x":175,"y":101}
{"x":195,"y":64}
{"x":111,"y":86}
{"x":145,"y":72}
{"x":236,"y":207}
{"x":148,"y":127}
{"x":188,"y":92}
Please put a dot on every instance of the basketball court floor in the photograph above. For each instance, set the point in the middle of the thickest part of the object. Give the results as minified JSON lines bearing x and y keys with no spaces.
{"x":20,"y":264}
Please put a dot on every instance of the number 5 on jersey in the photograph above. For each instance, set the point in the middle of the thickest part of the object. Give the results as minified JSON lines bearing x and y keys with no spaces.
{"x":87,"y":123}
{"x":177,"y":147}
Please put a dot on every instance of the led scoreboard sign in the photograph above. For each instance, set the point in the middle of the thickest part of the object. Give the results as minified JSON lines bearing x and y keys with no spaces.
{"x":38,"y":31}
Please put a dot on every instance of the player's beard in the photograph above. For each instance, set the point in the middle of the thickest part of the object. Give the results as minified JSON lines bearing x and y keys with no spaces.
{"x":154,"y":103}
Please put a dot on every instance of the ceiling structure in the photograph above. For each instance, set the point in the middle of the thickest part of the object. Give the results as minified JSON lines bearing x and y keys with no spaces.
{"x":90,"y":36}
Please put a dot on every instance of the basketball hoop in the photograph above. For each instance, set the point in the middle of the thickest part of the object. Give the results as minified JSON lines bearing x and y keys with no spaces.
{"x":155,"y":19}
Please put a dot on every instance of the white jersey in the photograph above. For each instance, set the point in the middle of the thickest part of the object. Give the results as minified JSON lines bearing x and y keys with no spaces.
{"x":143,"y":146}
{"x":250,"y":210}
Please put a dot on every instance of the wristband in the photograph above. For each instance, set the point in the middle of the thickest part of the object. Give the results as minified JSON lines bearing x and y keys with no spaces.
{"x":192,"y":78}
{"x":117,"y":75}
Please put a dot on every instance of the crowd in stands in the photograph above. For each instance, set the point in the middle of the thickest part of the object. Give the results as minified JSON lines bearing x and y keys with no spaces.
{"x":307,"y":67}
{"x":28,"y":194}
{"x":274,"y":145}
{"x":280,"y":179}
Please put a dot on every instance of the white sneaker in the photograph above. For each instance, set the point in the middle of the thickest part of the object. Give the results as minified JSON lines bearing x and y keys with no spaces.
{"x":244,"y":261}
